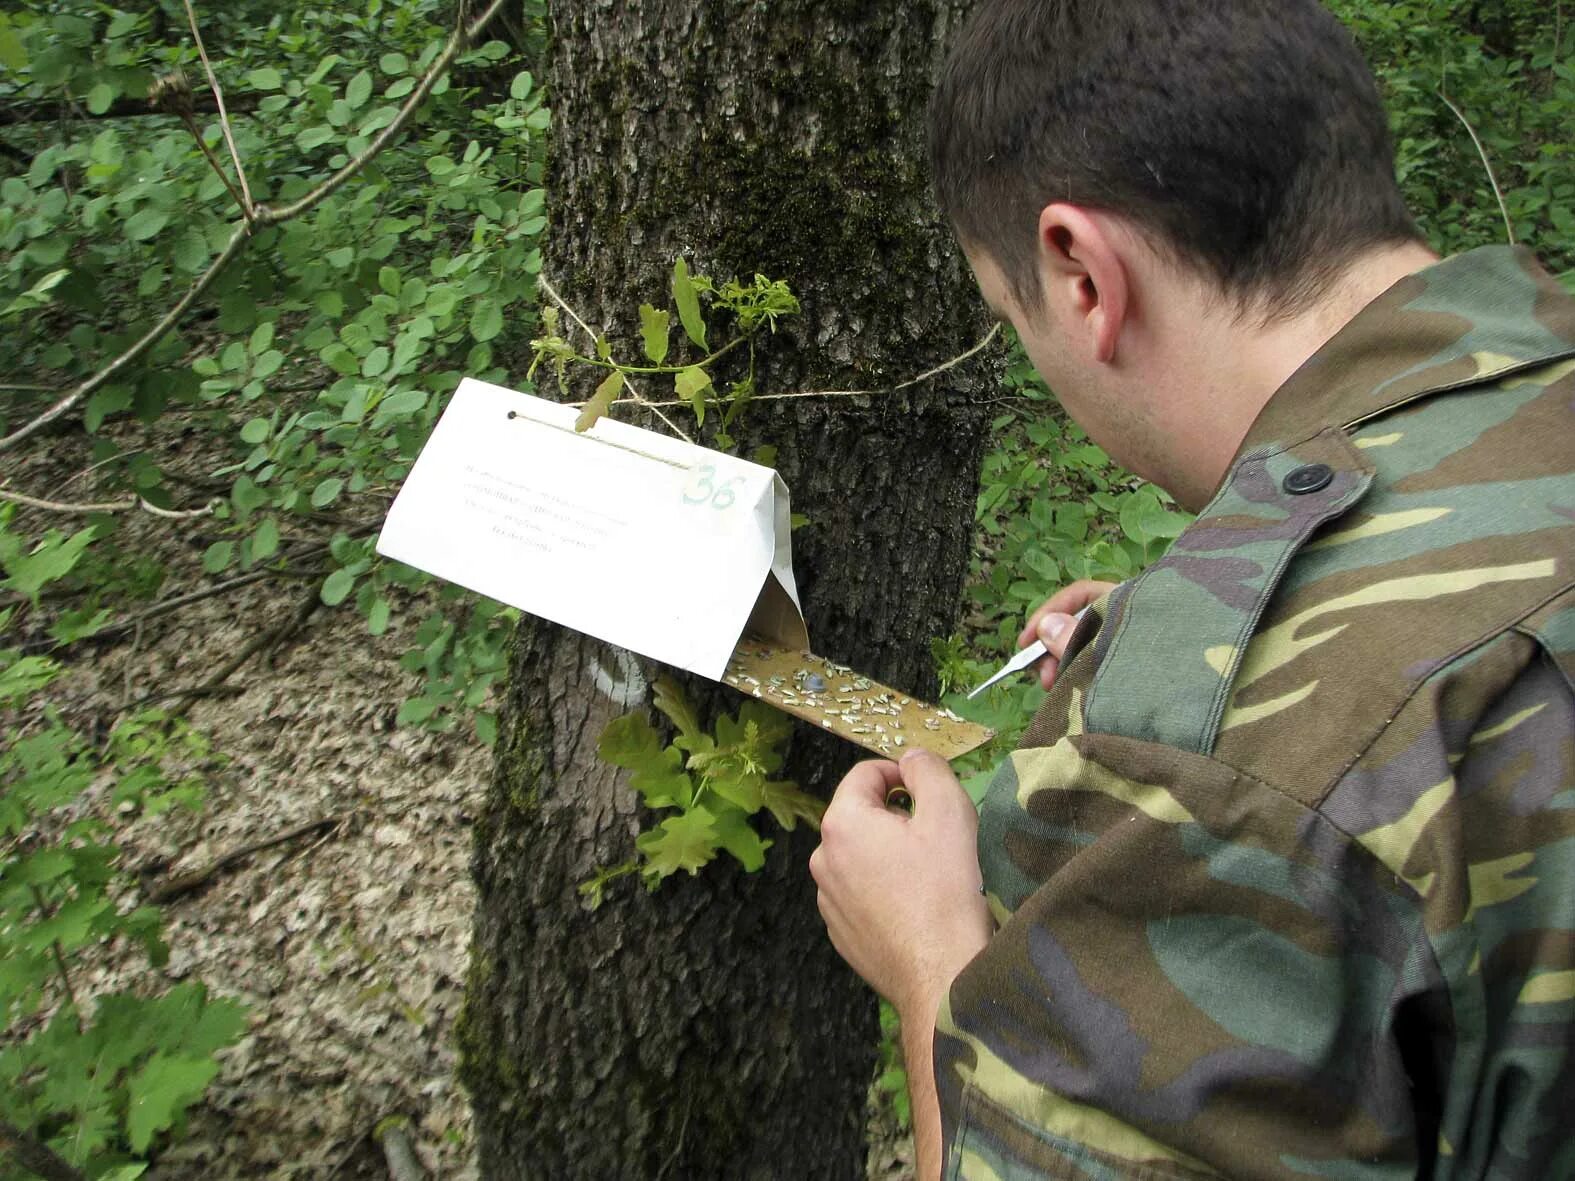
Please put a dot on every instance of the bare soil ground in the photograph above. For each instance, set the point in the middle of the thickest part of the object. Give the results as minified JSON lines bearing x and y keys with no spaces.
{"x":348,"y":943}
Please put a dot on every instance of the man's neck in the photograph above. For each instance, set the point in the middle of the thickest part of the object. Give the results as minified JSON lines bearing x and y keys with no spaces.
{"x":1239,"y":363}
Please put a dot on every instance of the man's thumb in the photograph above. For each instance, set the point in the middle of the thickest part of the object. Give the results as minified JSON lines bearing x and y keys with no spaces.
{"x":933,"y":786}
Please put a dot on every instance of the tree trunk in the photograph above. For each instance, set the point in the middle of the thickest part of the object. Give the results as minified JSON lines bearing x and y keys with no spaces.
{"x":708,"y":1030}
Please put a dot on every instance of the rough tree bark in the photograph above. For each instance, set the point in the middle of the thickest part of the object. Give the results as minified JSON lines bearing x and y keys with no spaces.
{"x":708,"y":1030}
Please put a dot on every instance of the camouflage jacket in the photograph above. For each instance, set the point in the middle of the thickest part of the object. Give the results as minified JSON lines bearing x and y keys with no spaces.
{"x":1285,"y":868}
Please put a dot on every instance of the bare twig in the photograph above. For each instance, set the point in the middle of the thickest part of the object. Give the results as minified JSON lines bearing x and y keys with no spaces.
{"x":130,"y":665}
{"x":173,"y":515}
{"x":945,"y":367}
{"x":164,"y":607}
{"x":171,"y":93}
{"x":248,"y":207}
{"x":34,"y":1156}
{"x":1509,"y":226}
{"x":133,"y":354}
{"x":185,"y":883}
{"x":263,"y":216}
{"x":186,"y":600}
{"x":104,"y":463}
{"x":638,"y":398}
{"x":130,"y":107}
{"x":60,"y":957}
{"x":194,"y":692}
{"x":456,"y":46}
{"x":117,"y":506}
{"x":262,"y":642}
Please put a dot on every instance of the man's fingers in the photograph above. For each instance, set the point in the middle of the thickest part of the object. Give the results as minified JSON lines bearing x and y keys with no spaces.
{"x":1053,"y":621}
{"x":866,"y":786}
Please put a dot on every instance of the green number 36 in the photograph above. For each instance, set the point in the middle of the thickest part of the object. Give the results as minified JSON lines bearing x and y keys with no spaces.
{"x":704,"y":489}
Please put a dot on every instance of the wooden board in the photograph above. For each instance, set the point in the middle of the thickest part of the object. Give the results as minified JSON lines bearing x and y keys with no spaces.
{"x":876,"y":717}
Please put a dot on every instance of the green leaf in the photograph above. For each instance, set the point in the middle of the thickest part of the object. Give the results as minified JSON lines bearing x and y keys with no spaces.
{"x":416,"y":710}
{"x":26,"y":676}
{"x":191,"y":252}
{"x":772,"y":728}
{"x":265,"y":79}
{"x":670,"y":699}
{"x":394,"y":64}
{"x":218,"y":556}
{"x":314,"y":137}
{"x":790,"y":805}
{"x":520,"y":88}
{"x":78,"y":625}
{"x":161,"y":1091}
{"x":402,"y":404}
{"x":736,"y":835}
{"x":657,"y":771}
{"x":630,"y":742}
{"x":691,"y":385}
{"x":688,"y":842}
{"x":737,"y":786}
{"x":50,"y":561}
{"x":256,"y":431}
{"x":601,"y":402}
{"x":247,"y":497}
{"x":688,"y":302}
{"x":145,"y":223}
{"x":377,"y":617}
{"x":100,"y":98}
{"x":337,"y":587}
{"x":327,"y":492}
{"x":359,"y":90}
{"x":657,"y":328}
{"x":12,"y":53}
{"x":486,"y":320}
{"x":486,"y":728}
{"x":265,"y":542}
{"x":112,"y":399}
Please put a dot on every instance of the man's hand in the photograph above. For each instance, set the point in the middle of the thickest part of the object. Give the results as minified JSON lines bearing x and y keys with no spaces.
{"x":899,"y":893}
{"x":900,"y":896}
{"x":1052,"y":623}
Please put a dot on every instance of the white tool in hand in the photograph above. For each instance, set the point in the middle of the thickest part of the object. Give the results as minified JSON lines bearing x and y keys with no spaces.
{"x":1029,"y":656}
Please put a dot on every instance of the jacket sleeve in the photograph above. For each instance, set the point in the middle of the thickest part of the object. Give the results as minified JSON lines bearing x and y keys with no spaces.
{"x":1195,"y":976}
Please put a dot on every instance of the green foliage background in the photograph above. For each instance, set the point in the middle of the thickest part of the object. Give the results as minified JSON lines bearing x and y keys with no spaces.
{"x":312,"y":370}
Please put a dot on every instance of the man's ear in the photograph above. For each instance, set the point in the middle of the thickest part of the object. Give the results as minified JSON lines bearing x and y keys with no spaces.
{"x":1085,"y":276}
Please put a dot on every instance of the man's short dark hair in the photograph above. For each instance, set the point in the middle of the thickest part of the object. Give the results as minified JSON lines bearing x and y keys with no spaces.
{"x":1245,"y":137}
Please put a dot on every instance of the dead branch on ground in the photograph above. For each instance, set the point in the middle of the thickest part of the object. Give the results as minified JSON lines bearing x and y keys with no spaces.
{"x":35,"y":1157}
{"x":186,"y":883}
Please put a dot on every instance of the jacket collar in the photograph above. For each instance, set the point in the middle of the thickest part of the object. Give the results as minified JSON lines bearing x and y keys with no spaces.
{"x":1476,"y":317}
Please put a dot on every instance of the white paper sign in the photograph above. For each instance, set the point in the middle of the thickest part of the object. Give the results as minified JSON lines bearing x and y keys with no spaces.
{"x":654,"y":545}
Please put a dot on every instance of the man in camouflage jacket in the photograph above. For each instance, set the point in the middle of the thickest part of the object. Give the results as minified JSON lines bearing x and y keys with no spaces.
{"x":1281,"y":882}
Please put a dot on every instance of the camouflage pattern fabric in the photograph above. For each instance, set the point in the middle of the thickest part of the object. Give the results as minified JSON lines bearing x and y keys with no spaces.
{"x":1285,"y":868}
